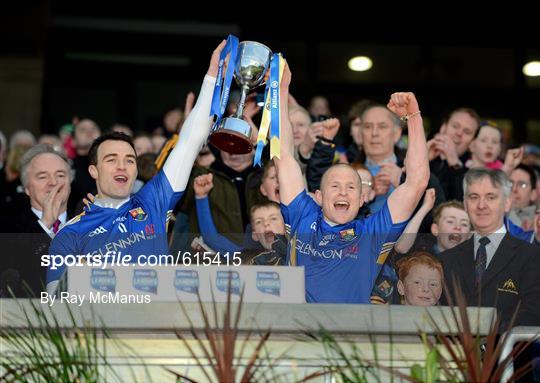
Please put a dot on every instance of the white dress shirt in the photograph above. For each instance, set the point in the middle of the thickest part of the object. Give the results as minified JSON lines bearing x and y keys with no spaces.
{"x":495,"y":239}
{"x":49,"y":231}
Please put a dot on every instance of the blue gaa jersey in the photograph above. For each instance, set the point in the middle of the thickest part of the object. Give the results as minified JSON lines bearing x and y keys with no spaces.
{"x":341,"y":262}
{"x":136,"y":228}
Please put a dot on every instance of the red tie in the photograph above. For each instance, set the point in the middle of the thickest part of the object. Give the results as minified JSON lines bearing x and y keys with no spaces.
{"x":56,"y":225}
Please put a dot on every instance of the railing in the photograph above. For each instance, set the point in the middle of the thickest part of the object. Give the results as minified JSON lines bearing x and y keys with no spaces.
{"x":518,"y":334}
{"x":149,"y":329}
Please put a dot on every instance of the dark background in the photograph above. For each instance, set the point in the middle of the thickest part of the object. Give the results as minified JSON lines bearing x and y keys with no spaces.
{"x":118,"y":62}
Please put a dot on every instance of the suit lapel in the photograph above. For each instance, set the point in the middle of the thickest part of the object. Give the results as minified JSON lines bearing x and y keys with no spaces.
{"x":465,"y":262}
{"x":29,"y":221}
{"x":503,"y":255}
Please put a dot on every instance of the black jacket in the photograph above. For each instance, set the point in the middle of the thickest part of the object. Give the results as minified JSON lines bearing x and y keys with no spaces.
{"x":230,"y":201}
{"x":512,"y":276}
{"x":23,"y":243}
{"x":81,"y":185}
{"x":451,"y":179}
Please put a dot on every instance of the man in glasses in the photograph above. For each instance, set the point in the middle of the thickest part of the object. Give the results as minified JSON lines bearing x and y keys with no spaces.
{"x":523,"y":179}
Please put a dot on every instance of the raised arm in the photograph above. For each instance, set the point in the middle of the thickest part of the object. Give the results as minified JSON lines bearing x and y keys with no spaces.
{"x":202,"y":186}
{"x":512,"y":159}
{"x":407,"y":239}
{"x":323,"y":153}
{"x":194,"y":131}
{"x":291,"y":181}
{"x":406,"y":196}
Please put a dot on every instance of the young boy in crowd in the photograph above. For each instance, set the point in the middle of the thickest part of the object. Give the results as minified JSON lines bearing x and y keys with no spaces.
{"x":267,"y":227}
{"x":420,"y":279}
{"x":268,"y":230}
{"x":451,"y":225}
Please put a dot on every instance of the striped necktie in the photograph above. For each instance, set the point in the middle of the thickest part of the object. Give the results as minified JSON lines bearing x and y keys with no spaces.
{"x":481,"y":259}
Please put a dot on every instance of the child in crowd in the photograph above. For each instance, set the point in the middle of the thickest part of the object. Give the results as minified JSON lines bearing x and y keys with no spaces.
{"x":486,"y":147}
{"x":267,"y":225}
{"x":451,"y":225}
{"x":269,"y":183}
{"x":385,"y":285}
{"x":420,"y":279}
{"x":269,"y":231}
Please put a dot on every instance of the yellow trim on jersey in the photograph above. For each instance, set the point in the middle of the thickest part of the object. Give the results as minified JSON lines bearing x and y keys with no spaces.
{"x":292,"y":242}
{"x":75,"y":219}
{"x":385,"y":250}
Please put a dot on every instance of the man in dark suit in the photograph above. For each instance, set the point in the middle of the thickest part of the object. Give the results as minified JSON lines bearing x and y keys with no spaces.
{"x":46,"y":176}
{"x":493,"y":268}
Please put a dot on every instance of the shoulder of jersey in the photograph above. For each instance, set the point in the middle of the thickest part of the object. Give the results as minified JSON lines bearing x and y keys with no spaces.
{"x":75,"y":219}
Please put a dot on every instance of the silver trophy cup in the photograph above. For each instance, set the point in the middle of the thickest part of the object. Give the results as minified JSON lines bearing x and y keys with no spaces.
{"x":233,"y":134}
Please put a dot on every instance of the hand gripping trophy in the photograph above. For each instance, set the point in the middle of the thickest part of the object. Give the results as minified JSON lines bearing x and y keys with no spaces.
{"x":250,"y":61}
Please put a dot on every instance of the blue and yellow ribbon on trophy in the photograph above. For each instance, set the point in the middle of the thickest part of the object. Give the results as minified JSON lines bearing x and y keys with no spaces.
{"x":271,"y":118}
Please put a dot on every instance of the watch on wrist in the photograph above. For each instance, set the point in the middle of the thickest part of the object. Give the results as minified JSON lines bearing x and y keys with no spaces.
{"x":457,"y":166}
{"x":326,"y":141}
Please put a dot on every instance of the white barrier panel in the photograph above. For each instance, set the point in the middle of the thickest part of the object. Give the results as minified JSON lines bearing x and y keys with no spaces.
{"x":269,"y":284}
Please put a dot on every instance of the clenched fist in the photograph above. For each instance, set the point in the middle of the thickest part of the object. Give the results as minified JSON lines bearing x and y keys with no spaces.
{"x":403,"y":104}
{"x":203,"y":184}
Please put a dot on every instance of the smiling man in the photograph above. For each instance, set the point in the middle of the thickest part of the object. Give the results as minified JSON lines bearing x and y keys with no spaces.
{"x":493,"y":268}
{"x":120,"y":224}
{"x":449,"y":150}
{"x":342,"y":255}
{"x":46,"y":176}
{"x":113,"y":164}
